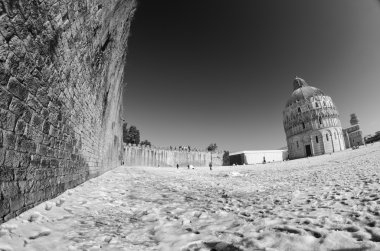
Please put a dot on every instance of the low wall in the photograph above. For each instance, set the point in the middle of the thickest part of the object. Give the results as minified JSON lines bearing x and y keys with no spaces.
{"x":147,"y":156}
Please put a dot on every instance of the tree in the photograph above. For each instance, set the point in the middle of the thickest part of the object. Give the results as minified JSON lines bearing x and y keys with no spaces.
{"x":145,"y":143}
{"x":125,"y":133}
{"x":212,"y":147}
{"x":354,"y":119}
{"x":133,"y":135}
{"x":226,"y":158}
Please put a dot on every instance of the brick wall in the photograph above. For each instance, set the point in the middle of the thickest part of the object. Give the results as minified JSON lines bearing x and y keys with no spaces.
{"x":61,"y":81}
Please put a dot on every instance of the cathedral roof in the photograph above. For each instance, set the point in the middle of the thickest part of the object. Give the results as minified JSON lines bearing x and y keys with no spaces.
{"x":302,"y":91}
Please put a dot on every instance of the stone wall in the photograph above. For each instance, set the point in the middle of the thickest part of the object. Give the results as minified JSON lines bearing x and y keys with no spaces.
{"x":61,"y":81}
{"x":329,"y":140}
{"x":147,"y":156}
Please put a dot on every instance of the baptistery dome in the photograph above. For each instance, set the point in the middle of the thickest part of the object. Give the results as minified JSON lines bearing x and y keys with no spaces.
{"x":311,"y":122}
{"x":301,"y":90}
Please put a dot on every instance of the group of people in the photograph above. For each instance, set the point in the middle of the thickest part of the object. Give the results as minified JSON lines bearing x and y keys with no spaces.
{"x":192,"y":167}
{"x":183,"y":148}
{"x":188,"y":166}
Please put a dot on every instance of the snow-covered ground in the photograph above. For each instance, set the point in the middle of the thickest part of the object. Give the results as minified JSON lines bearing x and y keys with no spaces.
{"x":331,"y":202}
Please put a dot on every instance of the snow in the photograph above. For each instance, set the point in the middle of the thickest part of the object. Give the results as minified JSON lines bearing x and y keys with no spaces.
{"x":330,"y":202}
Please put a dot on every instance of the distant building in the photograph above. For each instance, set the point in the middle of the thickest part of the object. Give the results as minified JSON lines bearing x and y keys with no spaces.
{"x":353,"y":135}
{"x":311,"y":122}
{"x":257,"y":157}
{"x":372,"y":138}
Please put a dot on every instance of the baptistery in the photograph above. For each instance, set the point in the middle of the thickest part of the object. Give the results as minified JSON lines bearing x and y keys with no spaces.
{"x":311,"y":122}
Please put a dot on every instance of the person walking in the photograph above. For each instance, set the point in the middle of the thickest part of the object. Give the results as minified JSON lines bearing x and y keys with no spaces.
{"x":177,"y":166}
{"x":210,"y":165}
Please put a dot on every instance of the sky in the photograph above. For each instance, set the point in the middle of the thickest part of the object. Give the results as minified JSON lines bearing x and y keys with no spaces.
{"x":218,"y":71}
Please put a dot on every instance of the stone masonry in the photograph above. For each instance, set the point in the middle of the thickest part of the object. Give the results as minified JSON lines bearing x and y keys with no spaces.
{"x":311,"y":122}
{"x":61,"y":81}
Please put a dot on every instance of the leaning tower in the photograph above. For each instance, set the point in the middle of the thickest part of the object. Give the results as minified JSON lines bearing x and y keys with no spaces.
{"x":311,"y":122}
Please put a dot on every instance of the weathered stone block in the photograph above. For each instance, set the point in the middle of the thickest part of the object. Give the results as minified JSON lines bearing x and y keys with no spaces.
{"x":62,"y":165}
{"x":54,"y":163}
{"x":17,"y":107}
{"x":4,"y":207}
{"x":32,"y":83}
{"x":52,"y":131}
{"x":25,"y":145}
{"x":57,"y":144}
{"x":30,"y":63}
{"x":12,"y":64}
{"x":33,"y":134}
{"x":46,"y":127}
{"x":35,"y":161}
{"x":4,"y":75}
{"x":53,"y":118}
{"x":30,"y":181}
{"x":18,"y":22}
{"x":2,"y":156}
{"x":6,"y":28}
{"x":16,"y":88}
{"x":44,"y":113}
{"x":5,"y":98}
{"x":6,"y":174}
{"x":12,"y":159}
{"x":56,"y":153}
{"x":45,"y":162}
{"x":46,"y":140}
{"x":27,"y":115}
{"x":25,"y":160}
{"x":4,"y":48}
{"x":31,"y":197}
{"x":9,"y":140}
{"x":7,"y":120}
{"x":42,"y":150}
{"x":20,"y":127}
{"x":50,"y":152}
{"x":9,"y":189}
{"x":22,"y":186}
{"x":17,"y":47}
{"x":33,"y":103}
{"x":36,"y":121}
{"x":17,"y":202}
{"x":20,"y":174}
{"x":36,"y":73}
{"x":42,"y":96}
